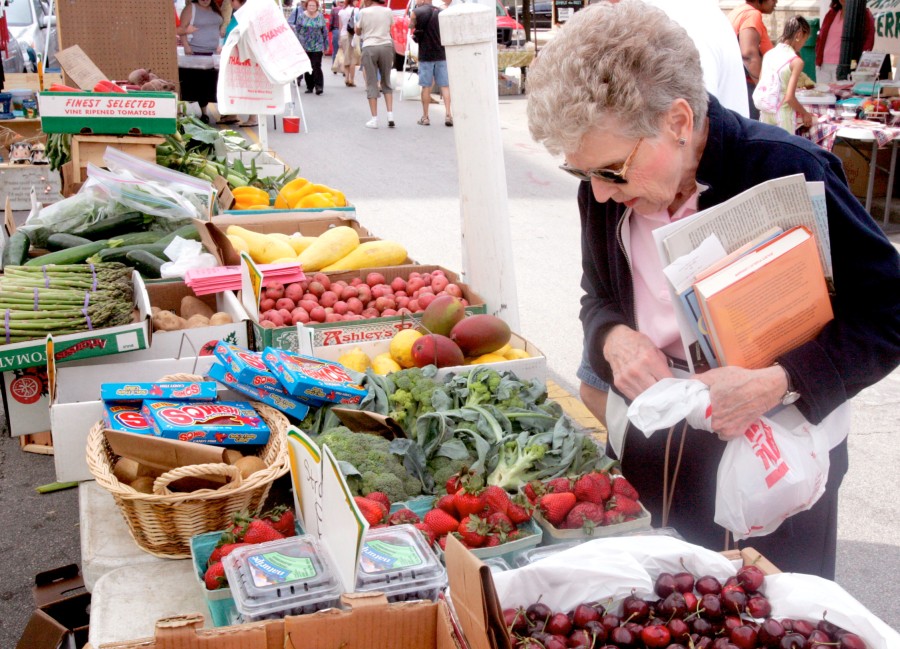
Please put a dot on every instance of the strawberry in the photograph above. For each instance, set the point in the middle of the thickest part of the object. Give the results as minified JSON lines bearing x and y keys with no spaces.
{"x":496,"y":499}
{"x":473,"y":531}
{"x":500,"y":522}
{"x":515,"y":535}
{"x":215,"y":576}
{"x":448,"y":504}
{"x":559,"y":485}
{"x":613,"y":517}
{"x":441,"y":522}
{"x":239,"y":523}
{"x":380,"y":497}
{"x":282,"y":519}
{"x":427,"y":532}
{"x":457,"y":481}
{"x":624,"y":505}
{"x":403,"y":517}
{"x":223,"y":551}
{"x":533,"y":490}
{"x":519,"y":510}
{"x":556,"y":506}
{"x":588,"y":488}
{"x":603,"y":481}
{"x":585,"y":515}
{"x":492,"y":541}
{"x":621,"y":487}
{"x":260,"y":531}
{"x":372,"y":510}
{"x":468,"y":502}
{"x":443,"y":542}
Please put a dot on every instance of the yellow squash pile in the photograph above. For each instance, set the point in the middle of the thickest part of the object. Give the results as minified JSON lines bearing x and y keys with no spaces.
{"x":298,"y":194}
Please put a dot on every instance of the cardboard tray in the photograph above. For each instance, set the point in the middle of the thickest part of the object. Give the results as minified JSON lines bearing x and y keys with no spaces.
{"x":554,"y":535}
{"x":221,"y":606}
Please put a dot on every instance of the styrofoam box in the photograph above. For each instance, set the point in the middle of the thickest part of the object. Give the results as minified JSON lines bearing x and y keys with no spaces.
{"x":525,"y":368}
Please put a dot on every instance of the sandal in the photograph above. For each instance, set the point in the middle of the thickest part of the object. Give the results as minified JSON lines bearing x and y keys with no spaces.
{"x":423,"y":121}
{"x":228,"y":120}
{"x":248,"y":123}
{"x":448,"y":121}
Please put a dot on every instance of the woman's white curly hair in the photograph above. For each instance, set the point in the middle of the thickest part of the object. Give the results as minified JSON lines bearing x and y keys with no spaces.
{"x":625,"y":62}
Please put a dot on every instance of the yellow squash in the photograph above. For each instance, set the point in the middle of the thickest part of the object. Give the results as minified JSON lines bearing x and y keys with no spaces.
{"x":371,"y":254}
{"x":328,"y":247}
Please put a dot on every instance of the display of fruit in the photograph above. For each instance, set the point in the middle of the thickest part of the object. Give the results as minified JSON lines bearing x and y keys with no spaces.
{"x":684,"y":615}
{"x":301,"y":193}
{"x":318,"y":299}
{"x":592,"y":500}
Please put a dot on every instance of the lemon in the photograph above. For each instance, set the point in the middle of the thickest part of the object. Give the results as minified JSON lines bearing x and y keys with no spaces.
{"x":384,"y":364}
{"x":502,"y":351}
{"x":486,"y":358}
{"x":401,"y":346}
{"x":356,"y":360}
{"x":516,"y":354}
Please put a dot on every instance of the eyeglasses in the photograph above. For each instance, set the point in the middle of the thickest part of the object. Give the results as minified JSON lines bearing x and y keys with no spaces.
{"x":614,"y":176}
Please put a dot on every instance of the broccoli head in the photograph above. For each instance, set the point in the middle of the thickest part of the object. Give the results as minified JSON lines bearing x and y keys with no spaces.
{"x":516,"y":465}
{"x":443,"y":468}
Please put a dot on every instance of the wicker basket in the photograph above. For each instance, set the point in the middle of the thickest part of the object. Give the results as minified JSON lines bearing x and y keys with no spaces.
{"x":162,"y":523}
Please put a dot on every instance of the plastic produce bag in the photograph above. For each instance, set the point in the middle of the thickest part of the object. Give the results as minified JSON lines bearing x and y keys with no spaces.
{"x":146,"y":196}
{"x":185,"y":255}
{"x":776,"y":469}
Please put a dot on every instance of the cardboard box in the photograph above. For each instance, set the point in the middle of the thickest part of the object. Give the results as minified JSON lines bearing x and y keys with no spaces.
{"x":525,"y":368}
{"x":18,"y":180}
{"x":90,"y":148}
{"x":62,"y":611}
{"x":108,"y":113}
{"x":369,"y":622}
{"x":856,"y":166}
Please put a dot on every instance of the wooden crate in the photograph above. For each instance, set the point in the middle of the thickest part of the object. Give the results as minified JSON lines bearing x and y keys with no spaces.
{"x":90,"y":148}
{"x":41,"y":443}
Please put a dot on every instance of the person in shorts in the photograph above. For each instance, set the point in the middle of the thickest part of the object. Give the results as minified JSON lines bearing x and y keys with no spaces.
{"x":426,"y":32}
{"x":374,"y":30}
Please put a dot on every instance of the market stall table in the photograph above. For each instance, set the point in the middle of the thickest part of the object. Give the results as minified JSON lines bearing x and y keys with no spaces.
{"x":516,"y":57}
{"x":857,"y":136}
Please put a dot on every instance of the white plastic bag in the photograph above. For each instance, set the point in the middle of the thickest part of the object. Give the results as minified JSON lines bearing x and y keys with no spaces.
{"x":185,"y":255}
{"x":243,"y":86}
{"x":265,"y":31}
{"x":776,"y":469}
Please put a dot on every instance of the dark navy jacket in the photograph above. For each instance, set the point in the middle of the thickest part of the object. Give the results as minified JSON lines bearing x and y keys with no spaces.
{"x":858,"y":348}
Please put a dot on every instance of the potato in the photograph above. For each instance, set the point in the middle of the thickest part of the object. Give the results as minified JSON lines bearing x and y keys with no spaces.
{"x":144,"y":484}
{"x":249,"y":464}
{"x":191,"y":306}
{"x":168,"y":321}
{"x":232,"y":456}
{"x":197,"y":320}
{"x":220,"y":318}
{"x":154,"y":310}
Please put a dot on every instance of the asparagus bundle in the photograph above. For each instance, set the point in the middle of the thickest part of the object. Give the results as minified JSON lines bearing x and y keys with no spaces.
{"x":63,"y":299}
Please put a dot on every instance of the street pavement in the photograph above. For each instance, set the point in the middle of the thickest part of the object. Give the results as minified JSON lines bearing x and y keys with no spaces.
{"x":403,"y":182}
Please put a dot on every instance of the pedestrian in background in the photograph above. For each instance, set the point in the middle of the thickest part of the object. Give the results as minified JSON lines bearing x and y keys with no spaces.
{"x":348,"y":41}
{"x":374,"y":31}
{"x":426,"y":31}
{"x":201,"y":22}
{"x":828,"y":45}
{"x":753,"y":37}
{"x":311,"y":30}
{"x":335,"y":21}
{"x":776,"y":93}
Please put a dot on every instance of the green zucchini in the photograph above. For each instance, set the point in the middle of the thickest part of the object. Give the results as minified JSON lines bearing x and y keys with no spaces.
{"x":136,"y":238}
{"x":120,"y":252}
{"x":185,"y":232}
{"x":16,"y":251}
{"x":145,"y":263}
{"x":74,"y":255}
{"x":108,"y":228}
{"x":62,"y":240}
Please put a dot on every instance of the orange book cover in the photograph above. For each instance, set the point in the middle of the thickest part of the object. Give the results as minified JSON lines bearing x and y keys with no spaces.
{"x":767,"y":302}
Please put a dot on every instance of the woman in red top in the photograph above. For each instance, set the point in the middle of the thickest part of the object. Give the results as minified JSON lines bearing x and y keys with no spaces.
{"x":828,"y":46}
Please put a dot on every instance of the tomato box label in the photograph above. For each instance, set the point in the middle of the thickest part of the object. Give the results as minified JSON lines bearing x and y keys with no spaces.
{"x":108,"y":113}
{"x":126,"y":417}
{"x":220,"y":422}
{"x":197,"y":391}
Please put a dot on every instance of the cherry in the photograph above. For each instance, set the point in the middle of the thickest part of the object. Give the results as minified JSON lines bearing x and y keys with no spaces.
{"x":559,"y":624}
{"x":583,"y":614}
{"x":744,"y":636}
{"x":731,"y":623}
{"x":597,"y":631}
{"x":674,"y":606}
{"x":792,"y":640}
{"x":622,"y":637}
{"x":684,"y":582}
{"x":580,"y":638}
{"x":711,"y":607}
{"x":679,"y":629}
{"x":734,"y":600}
{"x":721,"y":643}
{"x":635,"y":609}
{"x":703,"y":642}
{"x":731,"y":581}
{"x":708,"y":585}
{"x":515,"y":619}
{"x":538,"y":612}
{"x":656,"y":636}
{"x":610,"y":621}
{"x":770,"y":633}
{"x":750,"y":577}
{"x":828,"y":627}
{"x":758,"y":606}
{"x":597,"y":606}
{"x":819,"y":638}
{"x":804,"y":628}
{"x":690,"y":600}
{"x":541,"y":637}
{"x":665,"y":584}
{"x":635,"y":628}
{"x":788,"y":624}
{"x":701,"y":626}
{"x":555,"y":642}
{"x":850,"y":641}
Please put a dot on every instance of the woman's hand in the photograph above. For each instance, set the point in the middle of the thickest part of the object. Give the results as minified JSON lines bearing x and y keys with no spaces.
{"x":808,"y":119}
{"x":636,"y":362}
{"x":738,"y":397}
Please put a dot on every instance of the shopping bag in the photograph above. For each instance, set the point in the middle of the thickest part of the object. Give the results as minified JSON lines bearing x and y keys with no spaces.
{"x":777,"y":468}
{"x":272,"y":41}
{"x":243,"y":87}
{"x":411,"y":88}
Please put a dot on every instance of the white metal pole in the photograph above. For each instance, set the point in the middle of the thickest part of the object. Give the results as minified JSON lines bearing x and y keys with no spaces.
{"x":469,"y":34}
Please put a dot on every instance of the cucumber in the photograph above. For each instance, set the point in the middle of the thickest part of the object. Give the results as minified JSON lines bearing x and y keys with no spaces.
{"x":120,"y":252}
{"x":137,"y":238}
{"x":16,"y":251}
{"x":185,"y":232}
{"x":61,"y":241}
{"x":116,"y":225}
{"x":145,"y":263}
{"x":74,"y":255}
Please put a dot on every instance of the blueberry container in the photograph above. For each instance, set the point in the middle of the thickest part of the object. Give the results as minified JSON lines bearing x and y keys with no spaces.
{"x":531,"y":555}
{"x":397,"y":561}
{"x":291,"y":576}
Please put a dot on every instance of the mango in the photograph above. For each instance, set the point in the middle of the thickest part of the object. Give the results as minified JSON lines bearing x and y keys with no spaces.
{"x":442,"y":314}
{"x":480,"y":334}
{"x":434,"y":349}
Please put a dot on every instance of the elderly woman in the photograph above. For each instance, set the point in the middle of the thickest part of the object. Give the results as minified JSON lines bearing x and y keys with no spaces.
{"x":619,"y":93}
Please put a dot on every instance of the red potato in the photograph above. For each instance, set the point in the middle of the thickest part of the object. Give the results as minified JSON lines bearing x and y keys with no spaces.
{"x":274,"y":317}
{"x":299,"y":316}
{"x":438,"y":273}
{"x":334,"y":317}
{"x":383,"y":303}
{"x":414,"y":284}
{"x":413,"y":306}
{"x":328,"y":310}
{"x":388,"y":312}
{"x":373,"y":279}
{"x":465,"y":302}
{"x":348,"y":292}
{"x":310,"y":298}
{"x":403,"y":311}
{"x":364,"y":293}
{"x":340,"y":307}
{"x":426,"y":277}
{"x":398,"y":284}
{"x":266,"y":304}
{"x":286,"y":304}
{"x":317,"y":314}
{"x":323,"y":279}
{"x":425,"y":299}
{"x":274,"y":290}
{"x":381,"y":290}
{"x":403,"y":302}
{"x":316,"y":288}
{"x":338,"y":286}
{"x":454,"y":290}
{"x":294,"y":291}
{"x":285,"y":316}
{"x":400,"y":294}
{"x":415,"y":275}
{"x":267,"y":324}
{"x":328,"y":299}
{"x":355,"y":305}
{"x":370,"y":313}
{"x":439,"y":283}
{"x":308,"y":305}
{"x":356,"y":281}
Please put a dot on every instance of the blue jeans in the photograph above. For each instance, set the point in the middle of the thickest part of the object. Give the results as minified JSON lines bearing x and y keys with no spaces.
{"x":335,"y":42}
